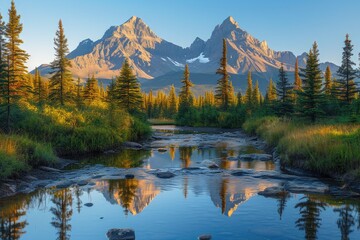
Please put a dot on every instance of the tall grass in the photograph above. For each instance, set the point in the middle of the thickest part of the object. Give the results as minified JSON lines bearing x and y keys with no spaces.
{"x":327,"y":149}
{"x":19,"y":154}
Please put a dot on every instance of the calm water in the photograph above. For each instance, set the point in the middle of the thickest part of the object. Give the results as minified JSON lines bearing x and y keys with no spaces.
{"x":183,"y":207}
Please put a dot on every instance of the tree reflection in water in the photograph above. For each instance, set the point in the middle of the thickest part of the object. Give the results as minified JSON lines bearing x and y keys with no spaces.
{"x":309,"y":220}
{"x":185,"y":156}
{"x":346,"y":220}
{"x":125,"y":191}
{"x":11,"y":223}
{"x":62,"y":213}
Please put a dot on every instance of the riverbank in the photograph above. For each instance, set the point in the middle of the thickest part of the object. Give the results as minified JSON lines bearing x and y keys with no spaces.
{"x":330,"y":150}
{"x":42,"y":134}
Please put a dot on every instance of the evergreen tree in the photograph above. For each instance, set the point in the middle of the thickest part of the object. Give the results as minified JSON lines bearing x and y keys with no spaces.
{"x":91,"y":91}
{"x":328,"y":81}
{"x":186,"y":96}
{"x":79,"y":97}
{"x":185,"y":114}
{"x":346,"y":86}
{"x":15,"y":83}
{"x":222,"y":93}
{"x":172,"y":102}
{"x":60,"y":82}
{"x":128,"y":93}
{"x":297,"y":82}
{"x":284,"y":93}
{"x":239,"y":99}
{"x":39,"y":91}
{"x":256,"y":95}
{"x":3,"y":61}
{"x":271,"y":92}
{"x":249,"y":91}
{"x":311,"y":98}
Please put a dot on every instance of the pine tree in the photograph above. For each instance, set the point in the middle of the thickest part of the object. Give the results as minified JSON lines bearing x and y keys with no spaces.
{"x":346,"y":86}
{"x":271,"y":92}
{"x":297,"y":82}
{"x":186,"y":96}
{"x":222,"y":92}
{"x":16,"y":69}
{"x":239,"y":97}
{"x":249,"y":91}
{"x":60,"y":82}
{"x":311,"y":98}
{"x":328,"y":81}
{"x":172,"y":102}
{"x":284,"y":93}
{"x":128,"y":93}
{"x":256,"y":95}
{"x":3,"y":62}
{"x":79,"y":95}
{"x":39,"y":91}
{"x":91,"y":91}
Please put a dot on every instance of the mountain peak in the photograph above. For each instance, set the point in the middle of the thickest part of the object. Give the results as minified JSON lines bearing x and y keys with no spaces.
{"x":230,"y":22}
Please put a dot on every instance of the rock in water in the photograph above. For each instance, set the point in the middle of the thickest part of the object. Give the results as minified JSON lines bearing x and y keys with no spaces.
{"x":132,"y":145}
{"x":276,"y":191}
{"x":121,"y":234}
{"x":255,"y":156}
{"x":88,"y":204}
{"x":205,"y":237}
{"x":129,"y":176}
{"x":165,"y":175}
{"x":209,"y":164}
{"x":162,"y":150}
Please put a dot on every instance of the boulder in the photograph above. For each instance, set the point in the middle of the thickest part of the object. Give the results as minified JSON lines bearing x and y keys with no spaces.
{"x":204,"y":237}
{"x":162,"y":150}
{"x":255,"y":156}
{"x":129,"y":176}
{"x":121,"y":234}
{"x":209,"y":164}
{"x":132,"y":145}
{"x":276,"y":191}
{"x":165,"y":175}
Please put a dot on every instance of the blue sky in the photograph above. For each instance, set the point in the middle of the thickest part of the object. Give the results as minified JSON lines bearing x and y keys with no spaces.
{"x":284,"y":24}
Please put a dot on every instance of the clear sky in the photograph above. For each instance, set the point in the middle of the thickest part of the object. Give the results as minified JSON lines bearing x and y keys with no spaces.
{"x":285,"y":24}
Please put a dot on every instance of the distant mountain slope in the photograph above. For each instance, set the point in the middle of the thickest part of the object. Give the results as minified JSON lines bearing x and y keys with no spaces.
{"x":154,"y":58}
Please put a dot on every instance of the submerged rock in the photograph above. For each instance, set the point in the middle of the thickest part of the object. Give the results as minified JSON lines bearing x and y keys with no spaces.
{"x":204,"y":237}
{"x":165,"y":175}
{"x":129,"y":176}
{"x":209,"y":164}
{"x":255,"y":156}
{"x":162,"y":150}
{"x":121,"y":234}
{"x":276,"y":191}
{"x":82,"y":183}
{"x":88,"y":204}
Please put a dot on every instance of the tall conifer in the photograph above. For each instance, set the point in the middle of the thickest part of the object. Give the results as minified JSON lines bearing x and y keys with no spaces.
{"x":346,"y":86}
{"x":60,"y":82}
{"x":222,"y":93}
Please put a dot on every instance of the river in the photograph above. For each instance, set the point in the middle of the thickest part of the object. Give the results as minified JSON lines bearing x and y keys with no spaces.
{"x":91,"y":196}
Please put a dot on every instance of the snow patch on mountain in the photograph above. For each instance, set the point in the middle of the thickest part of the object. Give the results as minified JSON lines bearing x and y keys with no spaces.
{"x":201,"y":58}
{"x":176,"y":63}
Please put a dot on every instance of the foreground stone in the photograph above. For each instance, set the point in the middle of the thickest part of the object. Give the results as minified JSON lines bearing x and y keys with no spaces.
{"x":255,"y":156}
{"x":274,"y":192}
{"x":209,"y":164}
{"x":205,"y":237}
{"x":165,"y":175}
{"x":121,"y":234}
{"x":132,"y":145}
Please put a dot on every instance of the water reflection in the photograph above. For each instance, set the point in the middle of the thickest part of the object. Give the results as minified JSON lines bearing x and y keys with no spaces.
{"x":62,"y":213}
{"x":12,"y":224}
{"x":227,"y":194}
{"x":133,"y":195}
{"x":309,"y":220}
